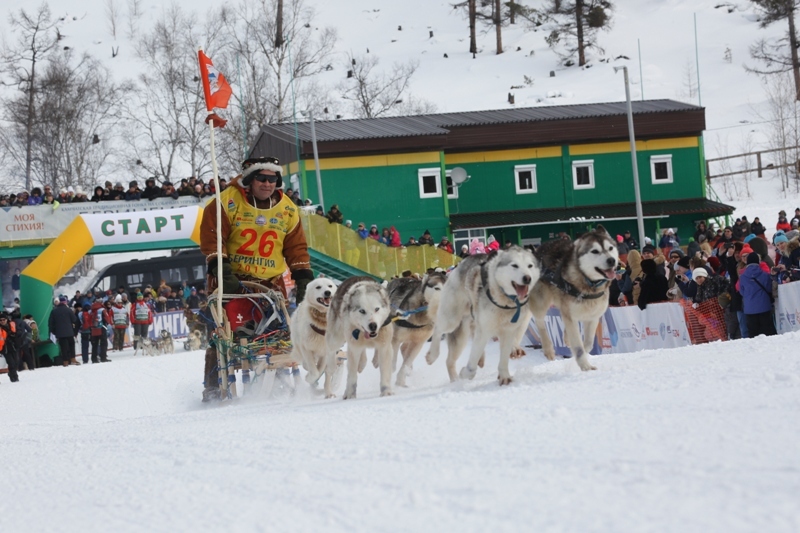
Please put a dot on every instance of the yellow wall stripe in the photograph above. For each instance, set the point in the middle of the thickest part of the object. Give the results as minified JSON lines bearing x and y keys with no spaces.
{"x":367,"y":161}
{"x":62,"y":254}
{"x":502,"y":155}
{"x":616,"y":147}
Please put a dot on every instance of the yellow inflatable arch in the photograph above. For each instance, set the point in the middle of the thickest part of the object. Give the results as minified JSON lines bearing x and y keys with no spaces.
{"x":101,"y":233}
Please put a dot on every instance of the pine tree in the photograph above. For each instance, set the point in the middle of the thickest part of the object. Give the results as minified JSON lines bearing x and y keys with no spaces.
{"x":576,"y":25}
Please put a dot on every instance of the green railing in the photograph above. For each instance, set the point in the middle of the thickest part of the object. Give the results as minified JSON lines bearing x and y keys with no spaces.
{"x":368,"y":255}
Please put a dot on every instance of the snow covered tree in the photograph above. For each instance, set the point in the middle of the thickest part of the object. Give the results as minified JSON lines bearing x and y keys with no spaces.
{"x":778,"y":55}
{"x":576,"y":24}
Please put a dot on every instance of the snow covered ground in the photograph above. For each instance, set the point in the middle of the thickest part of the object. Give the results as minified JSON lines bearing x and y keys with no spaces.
{"x":700,"y":439}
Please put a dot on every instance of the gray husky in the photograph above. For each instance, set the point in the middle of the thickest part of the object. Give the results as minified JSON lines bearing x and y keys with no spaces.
{"x":416,"y":302}
{"x":358,"y":315}
{"x":575,"y":278}
{"x":488,"y":294}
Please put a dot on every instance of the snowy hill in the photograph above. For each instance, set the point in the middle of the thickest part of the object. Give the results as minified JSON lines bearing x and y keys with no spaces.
{"x":449,"y":78}
{"x":697,"y":439}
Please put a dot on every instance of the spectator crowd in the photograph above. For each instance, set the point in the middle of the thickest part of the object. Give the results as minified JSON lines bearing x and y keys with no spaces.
{"x":735,"y":267}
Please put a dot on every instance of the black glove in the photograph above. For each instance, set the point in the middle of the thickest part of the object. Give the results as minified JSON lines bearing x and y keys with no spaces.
{"x":230,"y":283}
{"x":301,"y":280}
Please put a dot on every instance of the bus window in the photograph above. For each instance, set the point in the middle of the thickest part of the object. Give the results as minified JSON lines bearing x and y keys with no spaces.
{"x":174,"y":276}
{"x":198,"y":272}
{"x":135,"y":280}
{"x":106,"y":283}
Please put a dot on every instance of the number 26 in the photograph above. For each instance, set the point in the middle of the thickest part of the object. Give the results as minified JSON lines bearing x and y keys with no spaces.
{"x":265,"y":245}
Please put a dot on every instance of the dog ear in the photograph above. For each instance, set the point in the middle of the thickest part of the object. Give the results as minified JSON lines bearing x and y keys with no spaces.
{"x":601,"y":229}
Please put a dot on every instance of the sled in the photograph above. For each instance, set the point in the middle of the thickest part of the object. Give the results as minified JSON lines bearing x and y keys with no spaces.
{"x":256,"y":341}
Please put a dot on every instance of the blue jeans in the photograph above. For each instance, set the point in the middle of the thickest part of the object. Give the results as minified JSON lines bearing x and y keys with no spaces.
{"x":742,"y":324}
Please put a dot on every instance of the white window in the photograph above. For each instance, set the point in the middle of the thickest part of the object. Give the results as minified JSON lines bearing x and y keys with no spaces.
{"x":465,"y":236}
{"x":430,"y":183}
{"x":583,"y":174}
{"x":661,"y":169}
{"x":525,"y":179}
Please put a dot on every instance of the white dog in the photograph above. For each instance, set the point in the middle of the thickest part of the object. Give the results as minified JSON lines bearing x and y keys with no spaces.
{"x":358,"y":315}
{"x":490,"y":295}
{"x":309,"y":325}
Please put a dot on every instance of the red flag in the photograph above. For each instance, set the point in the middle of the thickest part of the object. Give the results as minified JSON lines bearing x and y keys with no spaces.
{"x":215,"y":86}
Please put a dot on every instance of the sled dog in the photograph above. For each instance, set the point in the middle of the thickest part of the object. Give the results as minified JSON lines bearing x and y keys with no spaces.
{"x":489,"y":294}
{"x":416,"y":301}
{"x":575,"y":278}
{"x":195,"y":340}
{"x":359,"y":315}
{"x":149,"y":346}
{"x":165,"y":343}
{"x":309,"y":325}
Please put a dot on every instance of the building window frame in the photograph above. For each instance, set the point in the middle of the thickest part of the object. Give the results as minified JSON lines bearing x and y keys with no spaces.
{"x":525,"y":168}
{"x":588,"y":163}
{"x":426,"y":172}
{"x":450,"y":186}
{"x":656,"y":159}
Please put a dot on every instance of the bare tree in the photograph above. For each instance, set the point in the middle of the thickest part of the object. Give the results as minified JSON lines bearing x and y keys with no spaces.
{"x":372,"y":93}
{"x":778,"y":55}
{"x":166,"y":115}
{"x":269,"y":76}
{"x":783,"y":114}
{"x":279,"y":23}
{"x":134,"y":14}
{"x":37,"y":37}
{"x":498,"y":25}
{"x":112,"y":17}
{"x":473,"y":42}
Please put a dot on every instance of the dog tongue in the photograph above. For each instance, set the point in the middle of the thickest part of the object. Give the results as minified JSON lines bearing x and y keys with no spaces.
{"x":610,"y":274}
{"x":522,"y":291}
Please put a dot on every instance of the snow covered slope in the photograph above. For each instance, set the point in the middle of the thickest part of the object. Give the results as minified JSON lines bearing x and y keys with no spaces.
{"x":694,"y":440}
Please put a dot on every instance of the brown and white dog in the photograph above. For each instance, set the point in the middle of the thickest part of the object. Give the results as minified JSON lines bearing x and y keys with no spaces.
{"x":576,"y":277}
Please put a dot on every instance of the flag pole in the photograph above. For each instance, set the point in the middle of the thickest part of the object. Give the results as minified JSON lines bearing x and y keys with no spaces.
{"x":220,"y":316}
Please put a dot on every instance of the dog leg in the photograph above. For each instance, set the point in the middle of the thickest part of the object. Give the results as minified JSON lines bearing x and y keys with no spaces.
{"x":410,"y":352}
{"x":455,"y":345}
{"x":478,"y":346}
{"x":573,"y":336}
{"x":548,"y":348}
{"x":589,"y":330}
{"x":507,"y":345}
{"x":354,"y":357}
{"x":384,"y":354}
{"x":446,"y":322}
{"x":313,"y":368}
{"x":332,"y":345}
{"x":362,"y":363}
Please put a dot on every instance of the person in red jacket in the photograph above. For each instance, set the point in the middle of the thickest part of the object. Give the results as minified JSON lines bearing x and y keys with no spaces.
{"x":141,"y":318}
{"x":120,"y":319}
{"x":783,"y":223}
{"x":100,"y":323}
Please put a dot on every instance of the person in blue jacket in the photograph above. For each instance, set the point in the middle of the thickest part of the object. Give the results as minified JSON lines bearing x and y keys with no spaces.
{"x":755,"y":286}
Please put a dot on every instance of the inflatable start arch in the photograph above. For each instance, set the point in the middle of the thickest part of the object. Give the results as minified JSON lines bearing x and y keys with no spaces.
{"x":101,"y":233}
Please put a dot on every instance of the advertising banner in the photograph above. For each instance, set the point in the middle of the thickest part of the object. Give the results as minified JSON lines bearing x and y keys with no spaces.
{"x":622,"y":330}
{"x":43,"y":223}
{"x":787,"y":307}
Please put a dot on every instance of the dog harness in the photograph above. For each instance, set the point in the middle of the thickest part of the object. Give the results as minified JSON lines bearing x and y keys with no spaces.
{"x":517,"y":303}
{"x":555,"y":279}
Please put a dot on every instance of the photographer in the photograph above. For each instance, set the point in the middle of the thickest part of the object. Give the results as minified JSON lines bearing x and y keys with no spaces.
{"x":653,"y":286}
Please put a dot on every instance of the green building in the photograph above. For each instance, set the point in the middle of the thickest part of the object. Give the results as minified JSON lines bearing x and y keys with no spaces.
{"x":532,"y":172}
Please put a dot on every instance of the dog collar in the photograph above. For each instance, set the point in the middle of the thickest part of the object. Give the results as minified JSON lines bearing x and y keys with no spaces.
{"x":568,"y":288}
{"x":318,"y":330}
{"x":517,"y":303}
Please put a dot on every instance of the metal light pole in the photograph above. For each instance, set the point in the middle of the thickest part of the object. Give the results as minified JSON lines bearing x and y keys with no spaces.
{"x":637,"y":193}
{"x":316,"y":157}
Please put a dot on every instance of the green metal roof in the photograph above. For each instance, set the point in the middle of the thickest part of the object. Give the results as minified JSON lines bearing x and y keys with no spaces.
{"x":589,"y":214}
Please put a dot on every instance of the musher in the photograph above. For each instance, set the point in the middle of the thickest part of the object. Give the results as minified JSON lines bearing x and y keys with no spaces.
{"x":261,"y":236}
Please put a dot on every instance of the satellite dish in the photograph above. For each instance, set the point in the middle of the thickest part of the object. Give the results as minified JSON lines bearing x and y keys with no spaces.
{"x":458,"y":175}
